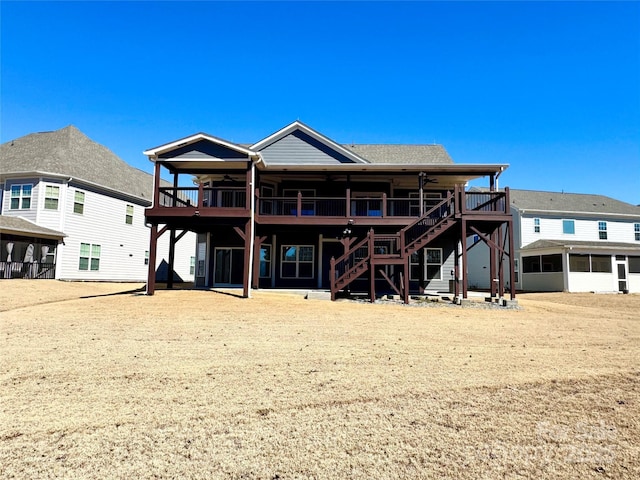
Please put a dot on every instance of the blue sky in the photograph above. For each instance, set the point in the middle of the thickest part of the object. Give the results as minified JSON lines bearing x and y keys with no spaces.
{"x":551,"y":88}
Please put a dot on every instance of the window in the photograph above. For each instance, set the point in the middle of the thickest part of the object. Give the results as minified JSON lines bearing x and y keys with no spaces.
{"x":634,"y":264}
{"x":89,"y":257}
{"x":568,"y":227}
{"x":146,"y":257}
{"x":531,"y":264}
{"x":636,"y":231}
{"x":297,"y":261}
{"x":192,"y":266}
{"x":536,"y":225}
{"x":21,"y":197}
{"x":78,"y":202}
{"x":434,"y":264}
{"x":265,"y":261}
{"x":128,"y":219}
{"x":602,"y":230}
{"x":590,"y":263}
{"x":51,"y":196}
{"x":552,"y":263}
{"x":601,"y":263}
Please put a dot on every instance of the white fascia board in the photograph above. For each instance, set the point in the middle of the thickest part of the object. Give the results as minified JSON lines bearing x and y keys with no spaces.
{"x":297,"y":125}
{"x":152,"y":153}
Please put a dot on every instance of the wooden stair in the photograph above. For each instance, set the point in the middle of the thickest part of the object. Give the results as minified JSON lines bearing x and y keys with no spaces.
{"x":363,"y":256}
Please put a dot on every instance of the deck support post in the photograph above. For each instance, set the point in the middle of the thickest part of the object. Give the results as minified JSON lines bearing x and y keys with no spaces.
{"x":156,"y":183}
{"x":372,"y":272}
{"x":406,"y":279}
{"x":256,"y":260}
{"x":465,"y":283}
{"x":172,"y":256}
{"x":247,"y":259}
{"x":492,"y":263}
{"x":501,"y":264}
{"x":151,"y":273}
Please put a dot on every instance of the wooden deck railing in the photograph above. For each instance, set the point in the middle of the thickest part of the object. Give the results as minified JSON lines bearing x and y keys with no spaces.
{"x":336,"y":207}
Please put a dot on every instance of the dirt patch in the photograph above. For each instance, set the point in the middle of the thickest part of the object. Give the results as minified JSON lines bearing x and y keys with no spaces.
{"x":207,"y":385}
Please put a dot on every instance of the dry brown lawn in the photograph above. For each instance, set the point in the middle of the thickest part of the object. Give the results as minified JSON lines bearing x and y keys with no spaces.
{"x":198,"y":384}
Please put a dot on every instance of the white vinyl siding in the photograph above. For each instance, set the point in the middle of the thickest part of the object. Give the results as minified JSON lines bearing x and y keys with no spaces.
{"x":101,"y":223}
{"x":616,"y":230}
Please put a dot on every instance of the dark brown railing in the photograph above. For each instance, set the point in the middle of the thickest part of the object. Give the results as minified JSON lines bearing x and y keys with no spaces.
{"x":345,"y":207}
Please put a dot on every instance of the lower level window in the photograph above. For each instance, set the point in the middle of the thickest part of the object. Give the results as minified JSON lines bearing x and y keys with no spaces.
{"x":432,"y":267}
{"x":297,"y":261}
{"x":192,"y":266}
{"x":590,"y":263}
{"x":89,"y":257}
{"x":542,"y":263}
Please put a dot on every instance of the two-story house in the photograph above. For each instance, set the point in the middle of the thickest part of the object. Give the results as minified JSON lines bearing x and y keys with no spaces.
{"x":297,"y":209}
{"x":72,"y":210}
{"x":572,"y":242}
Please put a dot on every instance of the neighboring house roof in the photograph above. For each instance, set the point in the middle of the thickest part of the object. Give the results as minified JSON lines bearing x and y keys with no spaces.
{"x":539,"y":201}
{"x":402,"y":154}
{"x":14,"y":225}
{"x":69,"y":152}
{"x":596,"y":245}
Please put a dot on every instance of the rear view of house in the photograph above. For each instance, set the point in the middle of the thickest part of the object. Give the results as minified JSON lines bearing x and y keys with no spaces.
{"x":297,"y":209}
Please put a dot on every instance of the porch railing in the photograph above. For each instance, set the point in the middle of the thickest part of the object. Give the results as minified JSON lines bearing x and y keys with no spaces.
{"x":347,"y":206}
{"x":30,"y":270}
{"x":211,"y":197}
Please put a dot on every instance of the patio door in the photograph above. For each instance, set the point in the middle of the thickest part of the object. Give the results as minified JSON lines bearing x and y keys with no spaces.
{"x":228,"y":268}
{"x":330,"y":248}
{"x":621,"y":264}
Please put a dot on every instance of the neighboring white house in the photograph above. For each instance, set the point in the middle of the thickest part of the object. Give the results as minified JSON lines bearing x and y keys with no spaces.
{"x":90,"y":199}
{"x":570,"y":242}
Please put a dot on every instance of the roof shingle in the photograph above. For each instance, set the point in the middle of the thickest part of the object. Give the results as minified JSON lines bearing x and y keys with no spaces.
{"x":70,"y":152}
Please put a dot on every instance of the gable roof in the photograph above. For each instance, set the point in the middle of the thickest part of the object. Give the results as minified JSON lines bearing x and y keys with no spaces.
{"x":298,"y":126}
{"x":196,"y":138}
{"x":539,"y":201}
{"x":15,"y":225}
{"x":69,"y":152}
{"x":402,"y":154}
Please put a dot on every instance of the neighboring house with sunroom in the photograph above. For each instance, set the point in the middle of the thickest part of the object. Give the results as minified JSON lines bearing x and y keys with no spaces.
{"x":300,"y":210}
{"x":71,"y":204}
{"x":571,"y":242}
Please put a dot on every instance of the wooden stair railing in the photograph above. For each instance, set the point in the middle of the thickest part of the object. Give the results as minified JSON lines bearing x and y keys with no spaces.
{"x":412,"y":237}
{"x":351,"y":265}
